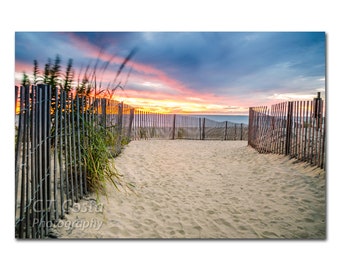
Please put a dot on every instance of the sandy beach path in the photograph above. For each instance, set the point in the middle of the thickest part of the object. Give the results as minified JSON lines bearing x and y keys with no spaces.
{"x":205,"y":189}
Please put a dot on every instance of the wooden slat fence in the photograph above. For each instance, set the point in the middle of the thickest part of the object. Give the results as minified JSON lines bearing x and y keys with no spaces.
{"x":52,"y":136}
{"x":148,"y":125}
{"x":49,"y":157}
{"x":294,"y":128}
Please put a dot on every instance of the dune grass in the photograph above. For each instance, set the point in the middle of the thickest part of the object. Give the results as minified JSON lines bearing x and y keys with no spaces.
{"x":98,"y":157}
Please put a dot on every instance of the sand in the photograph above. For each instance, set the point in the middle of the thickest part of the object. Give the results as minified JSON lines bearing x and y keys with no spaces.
{"x":204,"y":189}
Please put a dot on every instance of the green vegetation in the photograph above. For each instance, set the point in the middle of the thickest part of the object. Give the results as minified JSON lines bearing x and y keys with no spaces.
{"x":99,"y":146}
{"x":98,"y":159}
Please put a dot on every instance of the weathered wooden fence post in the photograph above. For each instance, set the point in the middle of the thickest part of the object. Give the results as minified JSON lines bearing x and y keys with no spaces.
{"x":62,"y":120}
{"x":289,"y":127}
{"x":174,"y":127}
{"x":16,"y":90}
{"x":103,"y":113}
{"x":132,"y":114}
{"x":83,"y":109}
{"x":318,"y":104}
{"x":119,"y":128}
{"x":203,"y":129}
{"x":323,"y":160}
{"x":17,"y":153}
{"x":48,"y":98}
{"x":241,"y":131}
{"x":79,"y":152}
{"x":74,"y":147}
{"x":23,"y":124}
{"x":250,"y":126}
{"x":226,"y":131}
{"x":200,"y":127}
{"x":33,"y":160}
{"x":55,"y":157}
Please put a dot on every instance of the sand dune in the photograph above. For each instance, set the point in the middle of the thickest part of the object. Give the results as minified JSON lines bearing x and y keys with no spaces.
{"x":205,"y":189}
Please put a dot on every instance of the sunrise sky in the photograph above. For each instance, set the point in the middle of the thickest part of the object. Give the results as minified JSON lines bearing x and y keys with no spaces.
{"x":189,"y":72}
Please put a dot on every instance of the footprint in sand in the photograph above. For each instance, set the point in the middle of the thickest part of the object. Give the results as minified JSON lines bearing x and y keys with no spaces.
{"x":242,"y":228}
{"x":181,"y":232}
{"x":211,"y":212}
{"x":148,"y":221}
{"x":114,"y":230}
{"x":221,"y":221}
{"x":268,"y":234}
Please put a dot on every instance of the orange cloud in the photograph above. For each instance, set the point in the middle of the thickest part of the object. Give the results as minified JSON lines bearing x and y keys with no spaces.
{"x":163,"y":102}
{"x":150,"y":88}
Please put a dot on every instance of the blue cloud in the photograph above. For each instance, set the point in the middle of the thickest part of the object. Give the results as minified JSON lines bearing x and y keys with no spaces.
{"x":223,"y":60}
{"x":218,"y":62}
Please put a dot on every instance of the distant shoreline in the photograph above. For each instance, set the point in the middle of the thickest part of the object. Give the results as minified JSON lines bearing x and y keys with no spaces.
{"x":240,"y":119}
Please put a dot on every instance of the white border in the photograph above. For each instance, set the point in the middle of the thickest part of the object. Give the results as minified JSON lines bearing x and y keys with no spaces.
{"x":165,"y":16}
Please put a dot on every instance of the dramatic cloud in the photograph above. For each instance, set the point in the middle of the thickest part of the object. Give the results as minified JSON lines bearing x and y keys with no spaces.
{"x":214,"y":71}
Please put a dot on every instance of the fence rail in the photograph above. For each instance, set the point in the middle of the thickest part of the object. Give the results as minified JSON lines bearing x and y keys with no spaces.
{"x":52,"y":138}
{"x":295,"y":128}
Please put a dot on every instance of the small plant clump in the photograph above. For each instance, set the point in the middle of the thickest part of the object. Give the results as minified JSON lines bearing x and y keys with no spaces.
{"x":99,"y":160}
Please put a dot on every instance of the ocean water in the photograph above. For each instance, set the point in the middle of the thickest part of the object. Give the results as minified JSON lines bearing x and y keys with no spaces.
{"x":240,"y":119}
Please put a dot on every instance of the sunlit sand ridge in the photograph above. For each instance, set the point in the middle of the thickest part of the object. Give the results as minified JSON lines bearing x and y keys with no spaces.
{"x":205,"y":189}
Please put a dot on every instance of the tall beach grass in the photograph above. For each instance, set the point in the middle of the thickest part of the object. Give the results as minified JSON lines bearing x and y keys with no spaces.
{"x":98,"y":157}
